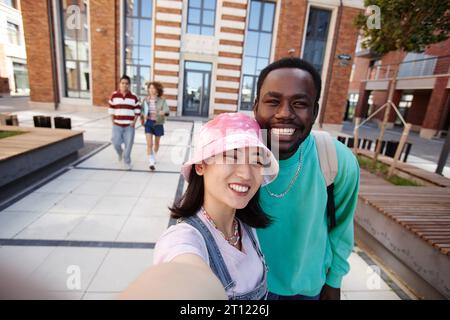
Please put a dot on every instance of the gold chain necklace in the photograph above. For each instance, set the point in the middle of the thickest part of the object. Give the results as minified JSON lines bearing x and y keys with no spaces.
{"x":281,"y":195}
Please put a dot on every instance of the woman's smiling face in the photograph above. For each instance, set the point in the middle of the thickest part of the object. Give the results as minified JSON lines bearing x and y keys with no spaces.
{"x":232,"y":178}
{"x":152,"y":91}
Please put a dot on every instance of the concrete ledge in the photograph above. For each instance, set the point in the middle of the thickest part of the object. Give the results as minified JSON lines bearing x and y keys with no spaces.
{"x":49,"y":146}
{"x":427,"y":133}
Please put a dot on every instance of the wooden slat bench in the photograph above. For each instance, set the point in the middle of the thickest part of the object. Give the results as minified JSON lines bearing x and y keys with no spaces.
{"x":40,"y":137}
{"x":423,"y":211}
{"x":34,"y":149}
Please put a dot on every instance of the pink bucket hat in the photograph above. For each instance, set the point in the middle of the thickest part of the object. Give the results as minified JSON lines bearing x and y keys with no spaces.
{"x":226,"y":132}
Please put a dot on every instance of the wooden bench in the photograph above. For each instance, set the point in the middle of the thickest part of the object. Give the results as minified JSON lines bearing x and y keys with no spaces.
{"x":33,"y":138}
{"x":413,"y":223}
{"x":35,"y":148}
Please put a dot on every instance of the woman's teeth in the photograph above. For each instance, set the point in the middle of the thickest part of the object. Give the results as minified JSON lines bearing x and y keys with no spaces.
{"x":239,"y":188}
{"x":283,"y":131}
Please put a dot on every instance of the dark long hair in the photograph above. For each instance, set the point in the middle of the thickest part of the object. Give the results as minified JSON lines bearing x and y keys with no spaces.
{"x":192,"y":200}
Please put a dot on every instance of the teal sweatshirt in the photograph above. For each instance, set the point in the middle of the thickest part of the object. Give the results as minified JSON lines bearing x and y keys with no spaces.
{"x":300,"y":252}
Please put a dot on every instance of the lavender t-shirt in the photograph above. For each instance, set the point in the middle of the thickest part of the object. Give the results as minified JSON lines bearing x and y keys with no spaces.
{"x":245,"y":267}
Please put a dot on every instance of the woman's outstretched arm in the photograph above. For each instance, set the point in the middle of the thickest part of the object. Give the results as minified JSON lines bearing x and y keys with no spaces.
{"x":186,"y":277}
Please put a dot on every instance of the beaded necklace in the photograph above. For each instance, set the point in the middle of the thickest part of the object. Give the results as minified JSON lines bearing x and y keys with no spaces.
{"x":234,"y":239}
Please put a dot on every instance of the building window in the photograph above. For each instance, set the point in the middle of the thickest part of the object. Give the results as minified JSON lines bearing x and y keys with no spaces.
{"x":13,"y":33}
{"x":370,"y":106}
{"x":257,"y":48}
{"x":138,"y":39}
{"x":10,"y":3}
{"x":316,"y":37}
{"x":201,"y":17}
{"x":75,"y":33}
{"x":403,"y":107}
{"x":21,"y":78}
{"x":352,"y":101}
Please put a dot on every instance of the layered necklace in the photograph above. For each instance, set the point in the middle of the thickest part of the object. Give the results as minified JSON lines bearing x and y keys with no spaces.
{"x":281,"y":195}
{"x":234,"y":239}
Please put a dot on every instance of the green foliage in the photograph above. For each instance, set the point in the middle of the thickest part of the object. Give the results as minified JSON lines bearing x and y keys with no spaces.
{"x":381,"y":170}
{"x":7,"y":134}
{"x":409,"y":25}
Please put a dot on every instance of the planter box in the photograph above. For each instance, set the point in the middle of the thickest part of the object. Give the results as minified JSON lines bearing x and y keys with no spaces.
{"x":23,"y":154}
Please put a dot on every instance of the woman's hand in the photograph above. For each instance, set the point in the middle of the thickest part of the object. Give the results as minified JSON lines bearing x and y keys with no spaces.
{"x":184,"y":280}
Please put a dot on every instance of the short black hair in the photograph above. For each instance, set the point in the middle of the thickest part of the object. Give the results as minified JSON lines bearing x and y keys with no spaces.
{"x":125,"y":77}
{"x":192,"y":200}
{"x":291,"y":62}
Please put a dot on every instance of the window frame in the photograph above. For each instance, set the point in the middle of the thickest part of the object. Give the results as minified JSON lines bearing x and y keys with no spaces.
{"x":201,"y":25}
{"x":77,"y":61}
{"x":137,"y":44}
{"x":13,"y":27}
{"x":315,"y":21}
{"x":260,"y":31}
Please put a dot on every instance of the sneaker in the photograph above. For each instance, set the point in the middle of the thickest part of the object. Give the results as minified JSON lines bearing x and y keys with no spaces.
{"x":152,"y":162}
{"x":128,"y":166}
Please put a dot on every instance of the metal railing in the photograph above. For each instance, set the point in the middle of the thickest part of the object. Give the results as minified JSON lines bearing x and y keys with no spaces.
{"x":430,"y":66}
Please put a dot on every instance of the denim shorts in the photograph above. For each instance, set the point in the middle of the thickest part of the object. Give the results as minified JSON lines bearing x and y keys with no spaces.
{"x":152,"y":128}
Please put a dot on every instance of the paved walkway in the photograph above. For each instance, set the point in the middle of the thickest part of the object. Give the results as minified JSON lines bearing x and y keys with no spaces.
{"x":100,"y":221}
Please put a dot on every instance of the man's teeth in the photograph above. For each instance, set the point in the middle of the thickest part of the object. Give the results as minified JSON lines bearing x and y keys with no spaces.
{"x":239,"y":188}
{"x":283,"y":131}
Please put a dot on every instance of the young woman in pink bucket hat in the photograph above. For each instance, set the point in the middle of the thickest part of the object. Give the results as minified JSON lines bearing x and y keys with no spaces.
{"x":219,"y":210}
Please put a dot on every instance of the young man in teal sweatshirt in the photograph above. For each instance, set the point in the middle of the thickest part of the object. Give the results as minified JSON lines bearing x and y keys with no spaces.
{"x":307,"y":259}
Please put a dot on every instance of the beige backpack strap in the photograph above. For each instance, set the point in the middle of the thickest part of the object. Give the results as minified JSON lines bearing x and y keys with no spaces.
{"x":326,"y":151}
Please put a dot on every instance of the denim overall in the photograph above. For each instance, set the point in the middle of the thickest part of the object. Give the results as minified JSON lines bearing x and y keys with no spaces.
{"x":217,"y":264}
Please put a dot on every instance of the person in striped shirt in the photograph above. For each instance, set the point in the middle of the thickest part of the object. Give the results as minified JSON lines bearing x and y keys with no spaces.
{"x":125,"y":109}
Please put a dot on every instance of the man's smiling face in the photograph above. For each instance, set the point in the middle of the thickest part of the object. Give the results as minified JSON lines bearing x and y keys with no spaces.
{"x":287,"y":108}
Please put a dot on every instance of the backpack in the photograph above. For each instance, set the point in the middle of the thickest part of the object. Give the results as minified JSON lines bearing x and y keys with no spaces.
{"x":326,"y":151}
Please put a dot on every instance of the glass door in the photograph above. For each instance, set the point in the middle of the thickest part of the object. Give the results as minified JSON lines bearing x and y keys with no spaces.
{"x":197,"y":82}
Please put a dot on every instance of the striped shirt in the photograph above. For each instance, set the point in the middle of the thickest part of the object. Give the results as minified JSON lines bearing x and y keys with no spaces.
{"x":152,"y":109}
{"x":124,"y":108}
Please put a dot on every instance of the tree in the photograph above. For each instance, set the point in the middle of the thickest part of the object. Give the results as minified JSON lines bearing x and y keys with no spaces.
{"x":409,"y":25}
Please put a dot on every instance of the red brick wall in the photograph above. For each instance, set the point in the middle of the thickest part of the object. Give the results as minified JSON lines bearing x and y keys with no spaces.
{"x":4,"y":85}
{"x":418,"y":109}
{"x":393,"y":57}
{"x":290,"y":27}
{"x":37,"y":41}
{"x":428,"y":106}
{"x":440,"y":49}
{"x":360,"y":73}
{"x":380,"y":98}
{"x":362,"y":106}
{"x":105,"y":48}
{"x":335,"y":103}
{"x":436,"y":105}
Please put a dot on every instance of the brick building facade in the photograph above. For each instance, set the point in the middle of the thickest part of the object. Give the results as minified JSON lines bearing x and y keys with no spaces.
{"x":422,"y":89}
{"x":207,"y":53}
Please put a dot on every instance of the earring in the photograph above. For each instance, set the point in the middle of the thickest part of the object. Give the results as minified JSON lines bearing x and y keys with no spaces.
{"x":199,"y":170}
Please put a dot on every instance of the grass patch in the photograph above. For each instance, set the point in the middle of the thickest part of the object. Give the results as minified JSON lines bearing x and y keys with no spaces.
{"x":381,"y":170}
{"x":7,"y":134}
